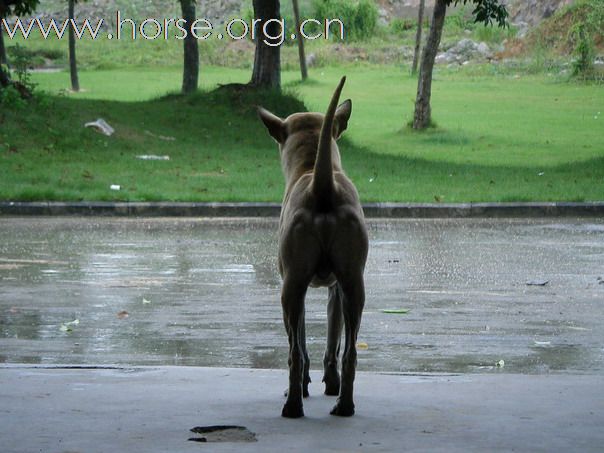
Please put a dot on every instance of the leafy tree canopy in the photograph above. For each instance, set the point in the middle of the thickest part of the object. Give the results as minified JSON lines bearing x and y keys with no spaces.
{"x":17,"y":7}
{"x":486,"y":11}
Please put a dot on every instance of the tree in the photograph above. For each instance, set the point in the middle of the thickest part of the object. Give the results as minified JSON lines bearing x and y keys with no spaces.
{"x":301,"y":54}
{"x":485,"y":11}
{"x":4,"y":77}
{"x":73,"y":65}
{"x":18,"y":8}
{"x":418,"y":36}
{"x":190,"y":73}
{"x":3,"y":57}
{"x":267,"y":57}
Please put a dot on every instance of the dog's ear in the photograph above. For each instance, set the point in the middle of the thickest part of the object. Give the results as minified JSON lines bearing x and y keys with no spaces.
{"x":341,"y":120}
{"x":273,"y":123}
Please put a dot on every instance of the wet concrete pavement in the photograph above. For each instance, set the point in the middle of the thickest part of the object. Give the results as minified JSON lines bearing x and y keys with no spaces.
{"x":446,"y":301}
{"x":206,"y":293}
{"x":152,"y":410}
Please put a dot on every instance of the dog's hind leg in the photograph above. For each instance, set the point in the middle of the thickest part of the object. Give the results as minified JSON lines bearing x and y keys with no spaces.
{"x":353,"y":301}
{"x":335,"y":320}
{"x":292,"y":299}
{"x":306,"y":375}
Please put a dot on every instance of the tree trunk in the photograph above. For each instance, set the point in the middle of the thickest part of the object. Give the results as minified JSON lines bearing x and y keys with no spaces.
{"x":4,"y":77}
{"x":190,"y":74}
{"x":422,"y":115}
{"x":301,"y":53}
{"x":267,"y":58}
{"x":3,"y":57}
{"x":418,"y":36}
{"x":73,"y":65}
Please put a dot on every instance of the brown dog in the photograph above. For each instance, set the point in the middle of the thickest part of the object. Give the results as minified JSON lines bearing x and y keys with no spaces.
{"x":322,"y":242}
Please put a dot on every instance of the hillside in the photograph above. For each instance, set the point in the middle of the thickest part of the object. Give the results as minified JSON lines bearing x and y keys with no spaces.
{"x":537,"y":27}
{"x":559,"y":31}
{"x":558,"y":34}
{"x":531,"y":12}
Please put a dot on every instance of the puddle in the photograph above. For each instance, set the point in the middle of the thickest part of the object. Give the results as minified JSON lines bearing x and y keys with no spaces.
{"x":206,"y":292}
{"x":222,"y":433}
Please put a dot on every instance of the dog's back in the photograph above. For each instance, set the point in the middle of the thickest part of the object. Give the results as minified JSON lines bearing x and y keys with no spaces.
{"x":324,"y":198}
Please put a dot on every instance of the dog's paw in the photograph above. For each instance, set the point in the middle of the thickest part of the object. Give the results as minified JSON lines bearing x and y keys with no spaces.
{"x":307,"y":381}
{"x":342,"y":409}
{"x":332,"y":388}
{"x":292,"y":411}
{"x":331,"y":378}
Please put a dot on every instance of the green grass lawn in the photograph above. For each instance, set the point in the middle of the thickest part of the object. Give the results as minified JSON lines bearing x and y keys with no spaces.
{"x":499,"y":138}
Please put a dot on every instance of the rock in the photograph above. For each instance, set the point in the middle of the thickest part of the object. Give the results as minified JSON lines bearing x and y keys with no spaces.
{"x":464,"y":51}
{"x":483,"y":49}
{"x":443,"y":58}
{"x":532,"y":12}
{"x":383,"y":16}
{"x":522,"y":28}
{"x":311,"y":59}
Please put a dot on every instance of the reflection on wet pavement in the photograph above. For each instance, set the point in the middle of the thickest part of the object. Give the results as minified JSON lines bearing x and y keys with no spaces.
{"x":206,"y":292}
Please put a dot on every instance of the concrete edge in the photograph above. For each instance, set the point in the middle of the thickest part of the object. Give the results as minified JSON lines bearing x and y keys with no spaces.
{"x":372,"y":210}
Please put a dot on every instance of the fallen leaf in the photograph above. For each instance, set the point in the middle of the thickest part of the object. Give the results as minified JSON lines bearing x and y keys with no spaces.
{"x":67,"y":327}
{"x":152,"y":157}
{"x":123,"y":314}
{"x":101,"y":126}
{"x":145,"y":301}
{"x":161,"y":137}
{"x":537,"y":283}
{"x":362,"y":345}
{"x":395,"y":311}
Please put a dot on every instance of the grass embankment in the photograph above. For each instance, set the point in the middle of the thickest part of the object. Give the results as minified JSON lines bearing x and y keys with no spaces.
{"x":499,"y":138}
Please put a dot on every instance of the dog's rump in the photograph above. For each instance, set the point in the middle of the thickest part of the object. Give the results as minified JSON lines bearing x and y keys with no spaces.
{"x":325,"y":230}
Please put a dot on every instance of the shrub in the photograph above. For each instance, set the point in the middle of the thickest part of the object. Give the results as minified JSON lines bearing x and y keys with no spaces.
{"x":359,"y":17}
{"x":492,"y":34}
{"x":583,"y":66}
{"x":460,"y":20}
{"x":583,"y":33}
{"x":22,"y":62}
{"x":11,"y":98}
{"x":399,"y":26}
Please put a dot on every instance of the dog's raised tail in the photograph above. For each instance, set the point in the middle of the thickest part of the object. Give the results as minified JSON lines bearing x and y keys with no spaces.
{"x":323,"y":183}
